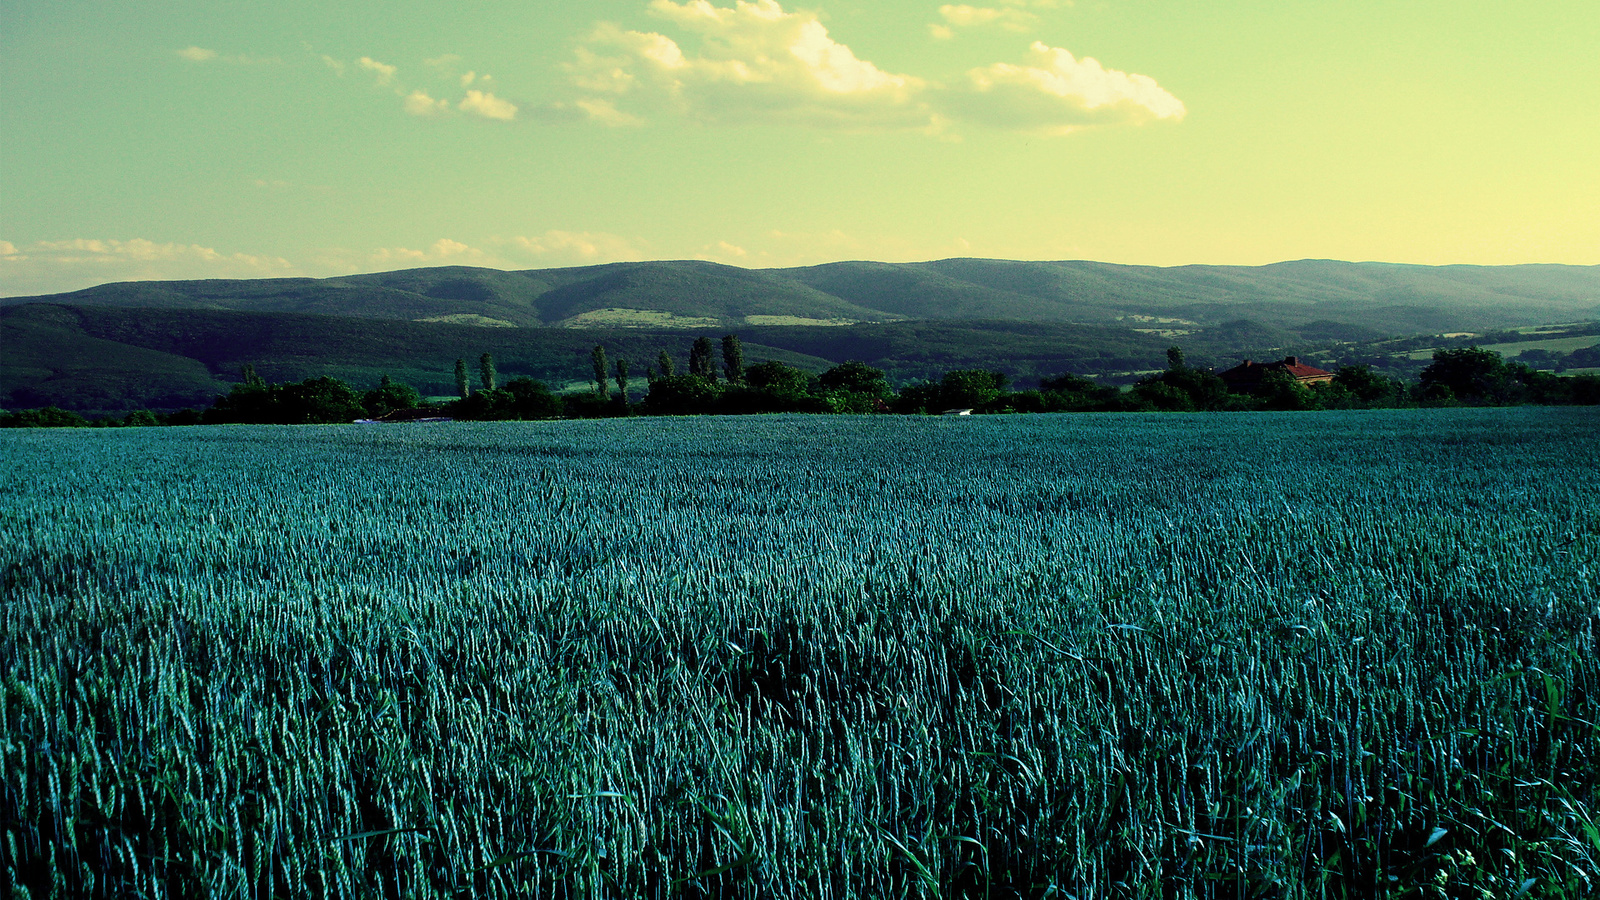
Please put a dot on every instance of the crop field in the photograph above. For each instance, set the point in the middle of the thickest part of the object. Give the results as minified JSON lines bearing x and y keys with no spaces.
{"x":1164,"y":656}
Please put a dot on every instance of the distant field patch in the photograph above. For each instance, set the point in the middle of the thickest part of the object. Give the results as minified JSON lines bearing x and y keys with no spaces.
{"x":796,"y":320}
{"x":469,"y":319}
{"x":613,"y":317}
{"x":1513,"y":350}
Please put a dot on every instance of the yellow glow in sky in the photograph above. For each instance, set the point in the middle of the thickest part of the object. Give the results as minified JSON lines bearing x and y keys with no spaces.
{"x":186,"y":139}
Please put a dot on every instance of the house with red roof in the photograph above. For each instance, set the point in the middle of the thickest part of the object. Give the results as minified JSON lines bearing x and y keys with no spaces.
{"x":1246,"y":377}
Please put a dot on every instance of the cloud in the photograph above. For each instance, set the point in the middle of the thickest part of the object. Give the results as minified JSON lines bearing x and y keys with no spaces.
{"x":723,"y":252}
{"x":384,"y":72}
{"x":962,"y":16}
{"x":418,"y":103}
{"x":442,"y":252}
{"x":755,"y":62}
{"x":1054,"y":93}
{"x":202,"y":55}
{"x":488,"y":106}
{"x":56,"y":266}
{"x":556,"y":247}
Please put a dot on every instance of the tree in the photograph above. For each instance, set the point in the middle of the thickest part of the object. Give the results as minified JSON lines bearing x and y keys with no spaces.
{"x":1175,"y":358}
{"x":533,"y":399}
{"x":389,"y":396}
{"x":597,"y":356}
{"x":732,"y":358}
{"x":1366,"y":385}
{"x":1281,"y":390}
{"x":1070,"y":392}
{"x":248,"y":373}
{"x":856,"y":378}
{"x":48,"y":417}
{"x":486,"y":373}
{"x":700,"y":359}
{"x":622,"y":382}
{"x":462,"y":388}
{"x":970,"y":388}
{"x":682,"y":395}
{"x":1468,"y":373}
{"x":664,"y":362}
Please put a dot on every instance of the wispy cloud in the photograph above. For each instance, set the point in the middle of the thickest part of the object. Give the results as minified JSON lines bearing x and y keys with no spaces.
{"x":56,"y":266}
{"x":570,"y":248}
{"x":385,"y":73}
{"x":204,"y":55}
{"x":755,"y":62}
{"x":419,"y":103}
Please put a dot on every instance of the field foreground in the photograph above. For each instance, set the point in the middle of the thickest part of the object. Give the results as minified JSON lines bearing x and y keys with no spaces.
{"x":1272,"y":655}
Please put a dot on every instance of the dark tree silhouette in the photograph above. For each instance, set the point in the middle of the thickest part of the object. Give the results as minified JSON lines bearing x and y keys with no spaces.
{"x":598,"y":356}
{"x":732,"y":358}
{"x":486,"y":373}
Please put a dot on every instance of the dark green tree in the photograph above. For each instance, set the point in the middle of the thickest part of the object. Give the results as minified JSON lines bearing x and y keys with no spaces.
{"x":856,"y":378}
{"x":700,"y":363}
{"x":622,"y":382}
{"x":1365,"y":385}
{"x":532,"y":399}
{"x":602,"y":387}
{"x":248,"y":373}
{"x":463,"y":389}
{"x":664,"y":362}
{"x":389,"y":396}
{"x":682,"y":395}
{"x":1175,"y":358}
{"x":486,"y":372}
{"x":1468,"y":373}
{"x":48,"y":417}
{"x":1281,"y":390}
{"x":732,"y":358}
{"x":970,"y":388}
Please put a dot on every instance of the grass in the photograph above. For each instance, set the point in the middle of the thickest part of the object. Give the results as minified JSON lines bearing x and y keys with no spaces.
{"x":1105,"y":656}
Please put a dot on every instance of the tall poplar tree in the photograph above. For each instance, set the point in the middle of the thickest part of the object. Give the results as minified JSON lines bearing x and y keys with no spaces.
{"x":462,"y":387}
{"x":665,"y":362}
{"x":598,"y":357}
{"x":732,"y":359}
{"x":486,"y":372}
{"x":700,"y":359}
{"x":622,"y":381}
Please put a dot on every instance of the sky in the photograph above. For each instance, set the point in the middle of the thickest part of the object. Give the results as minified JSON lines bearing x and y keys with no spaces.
{"x":247,"y":138}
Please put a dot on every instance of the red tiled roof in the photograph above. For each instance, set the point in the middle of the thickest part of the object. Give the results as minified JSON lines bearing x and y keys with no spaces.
{"x":1253,"y":371}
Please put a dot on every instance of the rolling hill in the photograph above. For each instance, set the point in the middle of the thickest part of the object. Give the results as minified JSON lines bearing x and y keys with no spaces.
{"x":170,"y":344}
{"x":1393,"y":298}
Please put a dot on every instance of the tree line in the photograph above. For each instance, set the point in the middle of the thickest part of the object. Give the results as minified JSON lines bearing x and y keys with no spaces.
{"x":1462,"y":376}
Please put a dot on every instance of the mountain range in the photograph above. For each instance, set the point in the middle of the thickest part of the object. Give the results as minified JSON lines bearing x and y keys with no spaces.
{"x":174,"y":343}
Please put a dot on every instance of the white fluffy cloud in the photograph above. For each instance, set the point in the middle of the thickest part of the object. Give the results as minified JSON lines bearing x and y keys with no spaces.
{"x":197,"y":54}
{"x":47,"y":267}
{"x":756,"y":62}
{"x":487,"y":105}
{"x":1055,"y":93}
